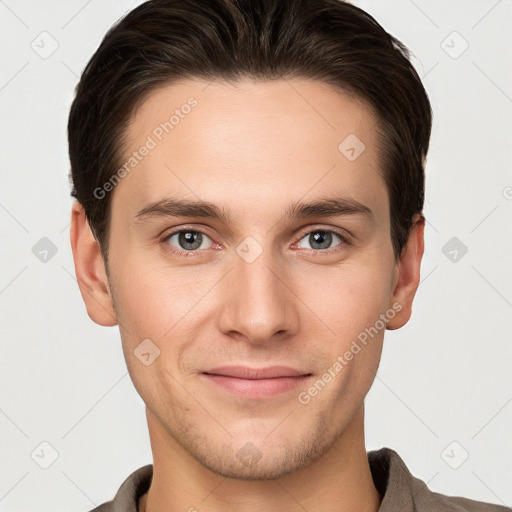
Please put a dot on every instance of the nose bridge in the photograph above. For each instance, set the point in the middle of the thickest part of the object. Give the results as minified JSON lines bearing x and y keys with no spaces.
{"x":257,"y":303}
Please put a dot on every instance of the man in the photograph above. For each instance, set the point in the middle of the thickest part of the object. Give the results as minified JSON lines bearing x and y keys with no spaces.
{"x":249,"y":178}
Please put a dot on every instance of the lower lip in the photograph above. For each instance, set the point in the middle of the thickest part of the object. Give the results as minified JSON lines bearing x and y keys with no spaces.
{"x":257,"y":388}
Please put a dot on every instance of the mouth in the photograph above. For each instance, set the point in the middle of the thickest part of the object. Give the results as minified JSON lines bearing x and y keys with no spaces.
{"x":256,"y":382}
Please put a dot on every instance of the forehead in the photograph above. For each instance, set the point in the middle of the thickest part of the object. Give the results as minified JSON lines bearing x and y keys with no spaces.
{"x":253,"y":142}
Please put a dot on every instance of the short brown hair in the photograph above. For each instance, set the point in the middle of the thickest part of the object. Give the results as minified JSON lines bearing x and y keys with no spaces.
{"x":331,"y":41}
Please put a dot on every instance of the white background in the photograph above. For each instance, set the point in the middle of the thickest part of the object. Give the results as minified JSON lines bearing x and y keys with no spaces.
{"x":444,"y":377}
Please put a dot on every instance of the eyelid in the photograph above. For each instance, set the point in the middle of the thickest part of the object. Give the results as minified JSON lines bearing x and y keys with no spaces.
{"x":184,"y":228}
{"x":342,"y":233}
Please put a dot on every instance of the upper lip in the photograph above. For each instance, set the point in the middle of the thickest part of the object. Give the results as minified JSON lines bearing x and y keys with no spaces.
{"x":245,"y":372}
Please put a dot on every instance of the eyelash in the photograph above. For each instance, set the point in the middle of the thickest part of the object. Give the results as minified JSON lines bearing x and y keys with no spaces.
{"x":197,"y":252}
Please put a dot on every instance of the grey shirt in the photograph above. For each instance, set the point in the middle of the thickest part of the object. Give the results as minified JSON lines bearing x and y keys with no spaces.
{"x":400,"y":490}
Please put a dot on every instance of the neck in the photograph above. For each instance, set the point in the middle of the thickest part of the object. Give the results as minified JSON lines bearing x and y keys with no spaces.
{"x":340,"y":479}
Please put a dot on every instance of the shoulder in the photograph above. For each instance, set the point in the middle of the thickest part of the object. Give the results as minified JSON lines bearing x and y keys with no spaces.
{"x":105,"y":507}
{"x":400,"y":490}
{"x":126,"y":498}
{"x":430,"y":500}
{"x":427,"y":500}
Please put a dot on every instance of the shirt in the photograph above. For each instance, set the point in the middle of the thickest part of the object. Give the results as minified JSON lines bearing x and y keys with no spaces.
{"x":399,"y":489}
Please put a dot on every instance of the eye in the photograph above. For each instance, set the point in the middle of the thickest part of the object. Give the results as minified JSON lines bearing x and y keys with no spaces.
{"x":321,"y":239}
{"x":187,"y":240}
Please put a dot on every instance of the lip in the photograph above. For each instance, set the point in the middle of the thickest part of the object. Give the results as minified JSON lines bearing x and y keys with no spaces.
{"x":245,"y":372}
{"x":256,"y":382}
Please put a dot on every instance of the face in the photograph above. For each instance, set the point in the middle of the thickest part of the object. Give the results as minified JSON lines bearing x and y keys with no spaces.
{"x":257,"y":279}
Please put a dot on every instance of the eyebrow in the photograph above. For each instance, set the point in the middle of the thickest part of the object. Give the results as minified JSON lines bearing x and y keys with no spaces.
{"x":325,"y":207}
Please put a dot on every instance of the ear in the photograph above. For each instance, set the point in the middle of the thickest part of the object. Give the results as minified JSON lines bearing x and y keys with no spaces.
{"x":90,"y":270}
{"x":407,"y":274}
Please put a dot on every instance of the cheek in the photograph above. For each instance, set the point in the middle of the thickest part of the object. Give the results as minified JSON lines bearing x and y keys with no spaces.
{"x":152,"y":304}
{"x":351,"y":330}
{"x":168,"y":307}
{"x":348,"y":299}
{"x":152,"y":299}
{"x":160,"y":302}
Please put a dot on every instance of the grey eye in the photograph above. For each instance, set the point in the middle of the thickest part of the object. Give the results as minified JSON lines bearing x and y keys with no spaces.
{"x":320,"y":239}
{"x":188,"y":240}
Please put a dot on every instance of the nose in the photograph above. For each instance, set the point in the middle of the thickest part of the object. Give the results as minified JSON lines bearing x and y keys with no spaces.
{"x":258,"y":303}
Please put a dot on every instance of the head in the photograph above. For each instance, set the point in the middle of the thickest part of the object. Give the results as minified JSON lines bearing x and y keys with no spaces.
{"x":299,"y":129}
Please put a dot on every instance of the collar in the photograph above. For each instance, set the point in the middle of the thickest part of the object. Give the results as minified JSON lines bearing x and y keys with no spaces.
{"x":390,"y":476}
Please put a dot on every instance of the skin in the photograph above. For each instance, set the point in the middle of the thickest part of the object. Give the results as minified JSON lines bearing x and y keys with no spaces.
{"x":252,"y":148}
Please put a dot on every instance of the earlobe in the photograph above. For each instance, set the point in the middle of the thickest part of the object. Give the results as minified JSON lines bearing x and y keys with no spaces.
{"x":90,"y":270}
{"x":408,"y":274}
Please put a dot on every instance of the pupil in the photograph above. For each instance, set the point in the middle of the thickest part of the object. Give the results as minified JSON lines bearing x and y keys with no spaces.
{"x":322,"y":238}
{"x":188,"y":238}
